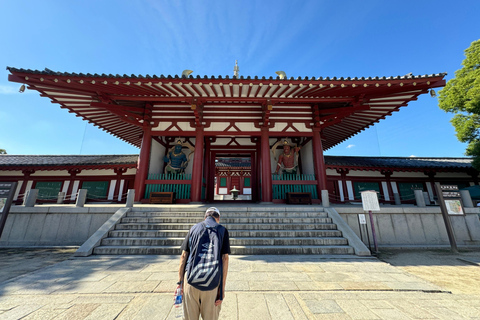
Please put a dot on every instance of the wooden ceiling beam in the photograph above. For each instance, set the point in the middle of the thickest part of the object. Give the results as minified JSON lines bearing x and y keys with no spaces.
{"x":117,"y":107}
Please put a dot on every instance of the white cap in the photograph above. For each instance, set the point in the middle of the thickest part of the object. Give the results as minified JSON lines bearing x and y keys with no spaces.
{"x":210,"y":211}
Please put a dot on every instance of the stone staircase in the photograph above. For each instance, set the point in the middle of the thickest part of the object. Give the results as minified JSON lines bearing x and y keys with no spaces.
{"x":261,"y":232}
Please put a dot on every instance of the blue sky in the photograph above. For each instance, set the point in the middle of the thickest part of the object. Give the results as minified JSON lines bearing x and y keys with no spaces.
{"x":302,"y":38}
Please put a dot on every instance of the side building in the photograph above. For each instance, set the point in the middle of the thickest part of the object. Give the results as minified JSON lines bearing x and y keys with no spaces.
{"x":107,"y":178}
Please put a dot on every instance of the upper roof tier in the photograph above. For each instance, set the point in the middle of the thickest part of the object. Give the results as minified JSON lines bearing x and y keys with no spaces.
{"x":175,"y":105}
{"x":47,"y":71}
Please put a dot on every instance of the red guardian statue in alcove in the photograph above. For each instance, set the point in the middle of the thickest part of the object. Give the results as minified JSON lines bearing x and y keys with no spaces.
{"x":288,"y":160}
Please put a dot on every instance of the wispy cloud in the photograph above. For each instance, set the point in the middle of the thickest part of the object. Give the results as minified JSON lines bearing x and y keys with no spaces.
{"x":8,"y":89}
{"x":350,"y":146}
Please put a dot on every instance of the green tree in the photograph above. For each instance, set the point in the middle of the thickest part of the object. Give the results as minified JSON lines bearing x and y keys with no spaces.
{"x":3,"y":151}
{"x":461,"y":96}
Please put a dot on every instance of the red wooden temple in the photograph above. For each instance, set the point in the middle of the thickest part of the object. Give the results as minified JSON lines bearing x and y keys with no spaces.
{"x":228,"y":117}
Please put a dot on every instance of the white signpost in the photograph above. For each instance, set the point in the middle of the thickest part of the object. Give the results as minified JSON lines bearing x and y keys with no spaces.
{"x":361,"y":218}
{"x":370,"y":203}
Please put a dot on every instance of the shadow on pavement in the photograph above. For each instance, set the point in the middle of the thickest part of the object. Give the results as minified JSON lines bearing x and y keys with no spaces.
{"x":423,"y":257}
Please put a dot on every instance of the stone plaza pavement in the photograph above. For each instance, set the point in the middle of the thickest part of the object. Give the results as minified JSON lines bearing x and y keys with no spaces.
{"x":55,"y":285}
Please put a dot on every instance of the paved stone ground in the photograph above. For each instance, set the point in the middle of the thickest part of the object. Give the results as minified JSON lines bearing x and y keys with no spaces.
{"x":15,"y":262}
{"x":458,"y":273}
{"x":399,"y":285}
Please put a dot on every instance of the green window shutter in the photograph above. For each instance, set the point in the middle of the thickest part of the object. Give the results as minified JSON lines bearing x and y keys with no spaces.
{"x":223,"y":182}
{"x":96,"y":189}
{"x":48,"y":190}
{"x":246,"y":182}
{"x":364,"y":186}
{"x":406,"y":189}
{"x":462,"y":185}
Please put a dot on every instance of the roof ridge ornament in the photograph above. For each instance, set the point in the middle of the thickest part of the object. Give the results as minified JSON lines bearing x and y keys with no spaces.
{"x":236,"y":69}
{"x":281,"y":74}
{"x":186,"y":73}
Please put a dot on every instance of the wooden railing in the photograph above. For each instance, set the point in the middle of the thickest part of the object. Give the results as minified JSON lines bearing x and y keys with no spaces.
{"x":178,"y":183}
{"x":281,"y":184}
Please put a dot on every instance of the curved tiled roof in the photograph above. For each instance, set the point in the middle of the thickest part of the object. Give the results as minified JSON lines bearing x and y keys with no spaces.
{"x":122,"y":105}
{"x":233,"y":164}
{"x":398,"y":162}
{"x":52,"y":162}
{"x":17,"y":162}
{"x":47,"y":71}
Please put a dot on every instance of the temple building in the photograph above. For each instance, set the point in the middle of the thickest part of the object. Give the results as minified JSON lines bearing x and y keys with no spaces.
{"x":201,"y":137}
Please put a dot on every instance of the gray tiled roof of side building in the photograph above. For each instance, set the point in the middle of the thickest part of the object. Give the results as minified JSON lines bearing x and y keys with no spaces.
{"x":399,"y":162}
{"x":352,"y":161}
{"x":61,"y":160}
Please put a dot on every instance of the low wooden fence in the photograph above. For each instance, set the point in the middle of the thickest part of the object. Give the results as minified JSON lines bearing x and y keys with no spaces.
{"x":178,"y":183}
{"x":281,"y":184}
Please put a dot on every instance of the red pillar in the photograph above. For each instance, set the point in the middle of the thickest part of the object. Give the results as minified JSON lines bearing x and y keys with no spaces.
{"x":143,"y":162}
{"x":266,"y":167}
{"x":197,"y":167}
{"x":319,"y":162}
{"x":209,"y":172}
{"x":229,"y":182}
{"x":23,"y":188}
{"x":73,"y":177}
{"x":388,"y":174}
{"x":117,"y":192}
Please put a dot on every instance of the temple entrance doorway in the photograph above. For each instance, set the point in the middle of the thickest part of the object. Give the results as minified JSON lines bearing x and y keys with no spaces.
{"x":234,"y":178}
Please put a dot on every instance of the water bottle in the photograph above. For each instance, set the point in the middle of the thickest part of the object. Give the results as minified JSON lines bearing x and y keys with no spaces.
{"x":178,"y":303}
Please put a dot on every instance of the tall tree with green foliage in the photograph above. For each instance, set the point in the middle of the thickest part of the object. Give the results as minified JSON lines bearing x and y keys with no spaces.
{"x":3,"y":151}
{"x":461,"y":96}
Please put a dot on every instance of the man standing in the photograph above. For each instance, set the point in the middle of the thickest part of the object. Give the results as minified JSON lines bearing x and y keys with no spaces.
{"x":204,"y":267}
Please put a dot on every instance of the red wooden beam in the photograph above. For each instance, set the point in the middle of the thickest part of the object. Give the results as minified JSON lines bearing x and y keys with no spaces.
{"x":117,"y":107}
{"x":168,"y":181}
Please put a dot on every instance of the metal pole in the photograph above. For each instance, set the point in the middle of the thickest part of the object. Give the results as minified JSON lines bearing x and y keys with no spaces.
{"x":368,"y":238}
{"x":373,"y":231}
{"x":360,"y":229}
{"x":446,"y":218}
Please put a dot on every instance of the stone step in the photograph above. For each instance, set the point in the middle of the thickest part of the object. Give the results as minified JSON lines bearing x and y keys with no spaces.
{"x":229,"y":220}
{"x":255,"y":232}
{"x":240,"y":250}
{"x":200,"y":215}
{"x":232,"y":233}
{"x":229,"y":226}
{"x":253,"y":250}
{"x":287,"y":241}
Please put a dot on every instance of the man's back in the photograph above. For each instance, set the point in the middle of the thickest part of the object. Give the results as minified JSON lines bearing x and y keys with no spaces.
{"x":204,"y":265}
{"x":204,"y":261}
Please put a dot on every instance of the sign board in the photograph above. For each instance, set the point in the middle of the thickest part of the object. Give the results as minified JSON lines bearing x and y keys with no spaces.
{"x":444,"y":202}
{"x":7,"y":190}
{"x":362,"y":219}
{"x":454,"y":207}
{"x":370,"y":201}
{"x":452,"y":199}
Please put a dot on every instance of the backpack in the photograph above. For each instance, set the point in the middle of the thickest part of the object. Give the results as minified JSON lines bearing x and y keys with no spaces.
{"x":204,"y":267}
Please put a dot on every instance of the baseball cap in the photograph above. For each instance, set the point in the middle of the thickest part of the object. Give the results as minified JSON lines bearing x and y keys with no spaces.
{"x":212,"y":211}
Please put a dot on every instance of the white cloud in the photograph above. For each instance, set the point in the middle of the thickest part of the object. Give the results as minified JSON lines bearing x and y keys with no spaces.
{"x":412,"y":156}
{"x":350,"y":146}
{"x":8,"y":89}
